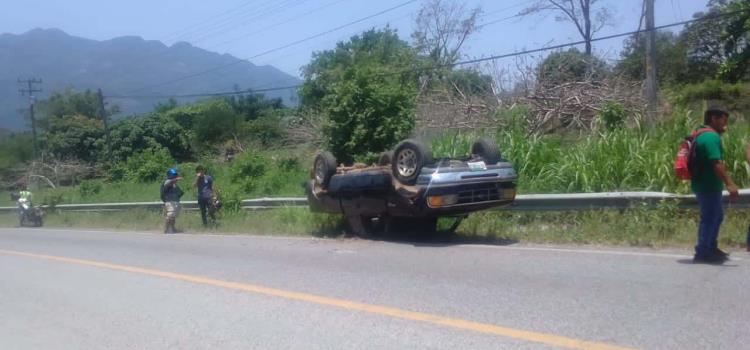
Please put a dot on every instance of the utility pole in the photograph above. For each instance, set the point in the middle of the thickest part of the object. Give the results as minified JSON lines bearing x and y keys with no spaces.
{"x":651,"y":87}
{"x":29,"y":90}
{"x":103,"y":115}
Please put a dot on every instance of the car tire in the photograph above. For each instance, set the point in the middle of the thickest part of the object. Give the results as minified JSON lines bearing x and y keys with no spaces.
{"x":487,"y":150}
{"x":385,"y":158}
{"x":409,"y":157}
{"x":324,"y":168}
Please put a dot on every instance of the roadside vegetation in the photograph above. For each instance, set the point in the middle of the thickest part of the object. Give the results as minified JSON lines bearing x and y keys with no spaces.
{"x":568,"y":121}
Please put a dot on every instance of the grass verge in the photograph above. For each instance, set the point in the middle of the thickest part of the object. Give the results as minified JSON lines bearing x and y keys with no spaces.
{"x":665,"y":226}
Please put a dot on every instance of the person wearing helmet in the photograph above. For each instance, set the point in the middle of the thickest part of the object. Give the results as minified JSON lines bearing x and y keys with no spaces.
{"x":23,"y":196}
{"x":170,"y":195}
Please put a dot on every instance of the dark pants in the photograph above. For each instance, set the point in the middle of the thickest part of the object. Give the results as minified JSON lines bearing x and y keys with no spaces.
{"x":712,"y":214}
{"x":207,"y":209}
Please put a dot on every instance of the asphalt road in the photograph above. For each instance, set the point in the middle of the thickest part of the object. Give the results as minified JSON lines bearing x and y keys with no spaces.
{"x":64,"y":289}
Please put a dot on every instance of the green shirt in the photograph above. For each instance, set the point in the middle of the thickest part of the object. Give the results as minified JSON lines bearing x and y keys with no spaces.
{"x":707,"y":150}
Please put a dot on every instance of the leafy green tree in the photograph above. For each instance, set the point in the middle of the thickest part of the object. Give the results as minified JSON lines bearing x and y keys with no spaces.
{"x":72,"y":125}
{"x":671,"y":59}
{"x":75,"y":137}
{"x":14,"y":150}
{"x":569,"y":66}
{"x":154,"y":131}
{"x":470,"y":81}
{"x":736,"y":40}
{"x":69,"y":102}
{"x":365,"y":90}
{"x":252,"y":106}
{"x":163,"y":107}
{"x":265,"y":131}
{"x":210,"y":121}
{"x":144,"y":166}
{"x":719,"y":48}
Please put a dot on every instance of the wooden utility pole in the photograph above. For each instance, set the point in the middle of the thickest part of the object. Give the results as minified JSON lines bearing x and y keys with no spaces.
{"x":30,"y":90}
{"x":651,"y":85}
{"x":105,"y":122}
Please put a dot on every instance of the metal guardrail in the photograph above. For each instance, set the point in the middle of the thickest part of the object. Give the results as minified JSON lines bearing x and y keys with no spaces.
{"x":529,"y":202}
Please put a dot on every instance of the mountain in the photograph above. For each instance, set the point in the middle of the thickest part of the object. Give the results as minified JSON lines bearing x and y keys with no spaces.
{"x":119,"y":66}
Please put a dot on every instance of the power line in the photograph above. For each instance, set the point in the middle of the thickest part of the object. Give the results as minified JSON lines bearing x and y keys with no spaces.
{"x":210,"y":94}
{"x":252,"y":34}
{"x":212,"y":29}
{"x":272,"y":9}
{"x":327,"y":43}
{"x":462,"y":63}
{"x":189,"y":29}
{"x":277,"y":48}
{"x":504,"y":9}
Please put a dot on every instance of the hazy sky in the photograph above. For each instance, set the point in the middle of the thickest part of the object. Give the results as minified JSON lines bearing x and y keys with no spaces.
{"x":245,"y":28}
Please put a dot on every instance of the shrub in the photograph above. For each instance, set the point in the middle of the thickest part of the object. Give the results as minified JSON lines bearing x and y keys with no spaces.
{"x":612,"y":116}
{"x":711,"y":92}
{"x":246,"y":169}
{"x":89,"y":188}
{"x":145,"y":166}
{"x":265,"y":131}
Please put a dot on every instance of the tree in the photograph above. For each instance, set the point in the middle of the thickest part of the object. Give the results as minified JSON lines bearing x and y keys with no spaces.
{"x":736,"y":40}
{"x":704,"y":43}
{"x":209,"y":121}
{"x":671,"y":58}
{"x":470,"y":82}
{"x":582,"y":13}
{"x":252,"y":106}
{"x":569,"y":66}
{"x":366,"y":92}
{"x":69,"y":102}
{"x":75,"y":137}
{"x":154,"y":131}
{"x":163,"y":107}
{"x":72,"y":124}
{"x":442,"y":27}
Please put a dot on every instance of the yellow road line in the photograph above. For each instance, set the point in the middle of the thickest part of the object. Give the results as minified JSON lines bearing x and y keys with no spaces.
{"x":549,"y":339}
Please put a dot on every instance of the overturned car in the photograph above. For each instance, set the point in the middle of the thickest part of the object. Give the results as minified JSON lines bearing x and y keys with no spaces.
{"x":408,"y":190}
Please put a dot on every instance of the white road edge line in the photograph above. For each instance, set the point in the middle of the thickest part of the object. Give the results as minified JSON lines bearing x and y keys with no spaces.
{"x":474,"y":246}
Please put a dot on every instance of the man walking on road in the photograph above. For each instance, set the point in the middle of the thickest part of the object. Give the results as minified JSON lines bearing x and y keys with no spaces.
{"x":205,"y":186}
{"x":170,"y":195}
{"x":709,"y":176}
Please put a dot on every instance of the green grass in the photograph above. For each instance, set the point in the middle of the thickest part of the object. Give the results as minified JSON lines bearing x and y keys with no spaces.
{"x":634,"y":159}
{"x":283,"y":221}
{"x":665,"y":226}
{"x":283,"y":176}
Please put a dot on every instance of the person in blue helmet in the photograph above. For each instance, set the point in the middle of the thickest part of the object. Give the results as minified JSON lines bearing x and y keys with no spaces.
{"x":170,"y":195}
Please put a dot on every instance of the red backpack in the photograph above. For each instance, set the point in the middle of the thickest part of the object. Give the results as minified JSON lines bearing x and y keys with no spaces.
{"x":686,"y":154}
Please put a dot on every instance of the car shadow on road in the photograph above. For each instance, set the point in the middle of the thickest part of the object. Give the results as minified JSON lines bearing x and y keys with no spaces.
{"x":441,"y":239}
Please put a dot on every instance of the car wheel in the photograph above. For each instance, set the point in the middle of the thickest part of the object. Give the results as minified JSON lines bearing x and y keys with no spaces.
{"x":324,"y":168}
{"x":408,"y":159}
{"x":385,"y":158}
{"x":487,"y":150}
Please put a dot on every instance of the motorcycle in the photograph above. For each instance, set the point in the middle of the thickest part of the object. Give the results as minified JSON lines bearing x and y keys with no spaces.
{"x":29,"y":215}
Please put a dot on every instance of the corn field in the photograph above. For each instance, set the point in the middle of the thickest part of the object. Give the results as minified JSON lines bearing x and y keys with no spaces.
{"x":637,"y":158}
